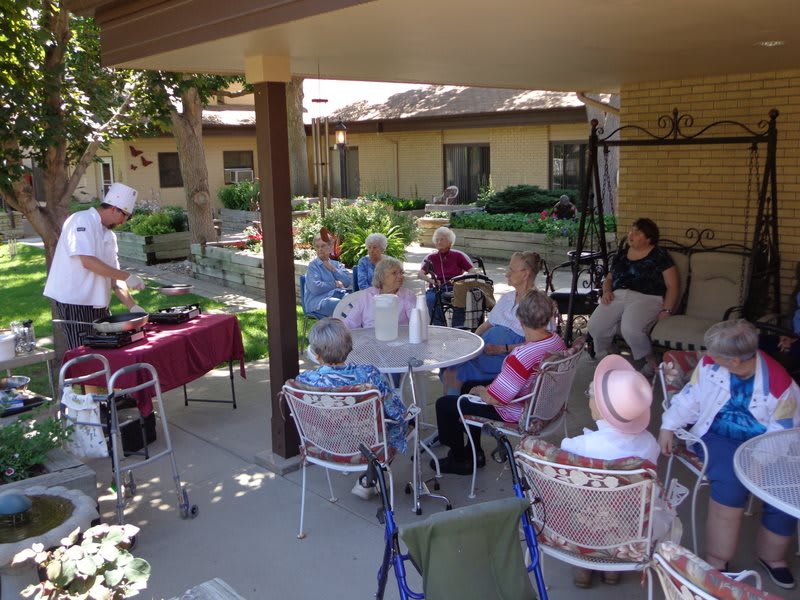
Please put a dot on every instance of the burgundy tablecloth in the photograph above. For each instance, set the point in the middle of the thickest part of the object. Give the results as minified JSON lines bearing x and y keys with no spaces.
{"x":179,"y":353}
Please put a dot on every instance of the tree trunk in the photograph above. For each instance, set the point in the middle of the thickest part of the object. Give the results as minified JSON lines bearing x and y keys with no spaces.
{"x":187,"y":127}
{"x":298,"y":149}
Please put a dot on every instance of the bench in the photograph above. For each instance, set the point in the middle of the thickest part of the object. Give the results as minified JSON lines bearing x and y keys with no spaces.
{"x":713,"y":288}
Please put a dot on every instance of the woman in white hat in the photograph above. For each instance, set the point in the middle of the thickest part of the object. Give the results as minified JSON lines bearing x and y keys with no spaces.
{"x":620,"y":400}
{"x":85,"y":266}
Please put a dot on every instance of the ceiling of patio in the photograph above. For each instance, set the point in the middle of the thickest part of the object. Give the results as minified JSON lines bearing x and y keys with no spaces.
{"x":525,"y":44}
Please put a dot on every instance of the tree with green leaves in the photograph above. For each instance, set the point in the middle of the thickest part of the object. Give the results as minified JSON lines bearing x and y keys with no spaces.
{"x":59,"y":108}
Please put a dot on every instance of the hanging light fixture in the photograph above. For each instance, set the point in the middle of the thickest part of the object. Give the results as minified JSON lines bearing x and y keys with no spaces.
{"x":340,"y":131}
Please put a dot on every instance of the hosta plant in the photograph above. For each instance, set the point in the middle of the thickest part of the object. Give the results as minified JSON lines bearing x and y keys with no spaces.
{"x":96,"y":565}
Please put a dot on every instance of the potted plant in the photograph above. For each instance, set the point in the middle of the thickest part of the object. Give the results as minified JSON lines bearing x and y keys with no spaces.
{"x":97,"y":564}
{"x":25,"y":444}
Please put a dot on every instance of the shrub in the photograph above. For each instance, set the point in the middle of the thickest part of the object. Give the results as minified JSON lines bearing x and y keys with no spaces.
{"x":24,"y":444}
{"x":541,"y":222}
{"x":354,"y":245}
{"x":240,"y":196}
{"x":398,"y":204}
{"x":168,"y":220}
{"x":525,"y":198}
{"x":344,"y":219}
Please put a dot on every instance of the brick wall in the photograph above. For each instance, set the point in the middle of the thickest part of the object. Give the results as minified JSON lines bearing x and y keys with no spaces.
{"x":707,"y":186}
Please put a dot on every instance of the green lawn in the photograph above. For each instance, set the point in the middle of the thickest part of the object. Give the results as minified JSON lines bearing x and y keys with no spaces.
{"x":22,"y":281}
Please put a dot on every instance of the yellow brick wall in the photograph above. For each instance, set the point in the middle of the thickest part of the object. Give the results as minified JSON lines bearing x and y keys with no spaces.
{"x":706,"y":186}
{"x":410,"y":164}
{"x":145,"y":178}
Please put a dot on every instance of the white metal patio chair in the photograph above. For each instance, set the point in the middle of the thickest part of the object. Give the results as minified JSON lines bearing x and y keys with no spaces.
{"x":593,"y":513}
{"x":673,"y":373}
{"x":448,"y":196}
{"x":332,"y":422}
{"x":346,"y":304}
{"x":685,"y":576}
{"x":545,"y":405}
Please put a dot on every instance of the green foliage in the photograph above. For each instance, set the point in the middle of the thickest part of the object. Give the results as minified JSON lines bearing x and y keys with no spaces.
{"x":438,"y":214}
{"x":485,"y":195}
{"x":76,"y":206}
{"x":239,"y":196}
{"x":538,"y":223}
{"x":169,"y":219}
{"x":354,"y":245}
{"x":24,"y":444}
{"x":525,"y":198}
{"x":342,"y":219}
{"x":97,"y":564}
{"x":398,"y":204}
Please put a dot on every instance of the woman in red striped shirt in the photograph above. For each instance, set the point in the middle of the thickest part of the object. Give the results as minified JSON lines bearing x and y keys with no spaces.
{"x":516,"y":379}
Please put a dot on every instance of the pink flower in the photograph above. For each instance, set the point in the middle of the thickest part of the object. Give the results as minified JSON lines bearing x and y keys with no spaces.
{"x":9,"y":472}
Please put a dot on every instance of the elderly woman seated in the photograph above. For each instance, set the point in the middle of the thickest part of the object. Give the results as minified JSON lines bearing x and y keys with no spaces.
{"x":516,"y":379}
{"x":502,"y":331}
{"x":376,"y":245}
{"x":736,"y":393}
{"x":439,"y":268}
{"x":326,"y":280}
{"x":388,"y":279}
{"x":329,"y":343}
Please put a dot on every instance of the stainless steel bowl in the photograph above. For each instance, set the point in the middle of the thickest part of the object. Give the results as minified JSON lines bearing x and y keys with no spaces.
{"x":19,"y":382}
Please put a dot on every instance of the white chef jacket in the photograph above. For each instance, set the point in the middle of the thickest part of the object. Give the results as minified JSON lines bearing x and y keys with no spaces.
{"x":69,"y":282}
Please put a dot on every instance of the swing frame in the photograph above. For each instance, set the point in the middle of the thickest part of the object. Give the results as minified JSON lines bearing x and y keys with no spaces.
{"x":763,"y":267}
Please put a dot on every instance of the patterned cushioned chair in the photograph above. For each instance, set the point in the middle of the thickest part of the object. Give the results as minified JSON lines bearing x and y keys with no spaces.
{"x":674,"y":373}
{"x":332,"y":422}
{"x":546,"y":404}
{"x":592,"y":513}
{"x":685,"y":576}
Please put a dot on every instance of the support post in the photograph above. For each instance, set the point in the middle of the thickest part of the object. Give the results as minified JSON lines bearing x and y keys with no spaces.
{"x":272,"y":143}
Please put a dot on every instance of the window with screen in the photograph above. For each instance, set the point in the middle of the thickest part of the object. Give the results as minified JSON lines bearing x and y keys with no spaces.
{"x":468,"y":168}
{"x":169,"y":170}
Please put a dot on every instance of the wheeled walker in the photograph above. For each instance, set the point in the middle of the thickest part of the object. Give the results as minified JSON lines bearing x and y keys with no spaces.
{"x":124,"y":482}
{"x":468,"y":553}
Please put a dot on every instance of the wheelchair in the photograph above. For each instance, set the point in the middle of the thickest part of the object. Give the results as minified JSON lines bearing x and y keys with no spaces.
{"x":446,"y":547}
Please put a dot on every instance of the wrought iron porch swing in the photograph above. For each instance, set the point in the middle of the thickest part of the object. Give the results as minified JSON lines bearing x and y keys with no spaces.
{"x":763,"y":267}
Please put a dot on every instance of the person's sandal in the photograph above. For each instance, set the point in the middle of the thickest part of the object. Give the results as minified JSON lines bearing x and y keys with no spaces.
{"x":582,"y":578}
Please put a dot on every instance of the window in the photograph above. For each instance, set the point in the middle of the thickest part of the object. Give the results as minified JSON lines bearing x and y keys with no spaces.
{"x":466,"y":167}
{"x":568,"y":165}
{"x":169,"y":170}
{"x":238,"y":165}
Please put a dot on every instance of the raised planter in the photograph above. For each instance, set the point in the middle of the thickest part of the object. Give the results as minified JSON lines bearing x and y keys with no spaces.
{"x":231,"y":268}
{"x":11,"y":225}
{"x":62,"y":469}
{"x":234,"y":221}
{"x":426,"y":226}
{"x":150,"y":249}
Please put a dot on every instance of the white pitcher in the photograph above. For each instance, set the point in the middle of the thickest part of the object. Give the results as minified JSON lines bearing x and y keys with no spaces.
{"x":387,"y":316}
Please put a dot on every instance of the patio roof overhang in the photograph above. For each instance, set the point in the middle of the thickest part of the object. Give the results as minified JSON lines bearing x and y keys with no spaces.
{"x":565,"y":45}
{"x":568,"y":45}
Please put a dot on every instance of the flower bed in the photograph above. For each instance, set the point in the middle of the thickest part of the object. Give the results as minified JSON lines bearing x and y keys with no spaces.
{"x":151,"y":249}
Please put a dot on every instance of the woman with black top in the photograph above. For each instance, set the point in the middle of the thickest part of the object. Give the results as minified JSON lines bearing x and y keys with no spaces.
{"x":641,"y":287}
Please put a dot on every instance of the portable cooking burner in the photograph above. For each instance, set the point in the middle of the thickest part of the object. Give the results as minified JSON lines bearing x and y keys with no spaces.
{"x":175,"y":314}
{"x":114,"y":339}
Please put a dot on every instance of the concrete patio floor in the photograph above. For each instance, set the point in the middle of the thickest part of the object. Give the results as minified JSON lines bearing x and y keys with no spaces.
{"x":246,"y":529}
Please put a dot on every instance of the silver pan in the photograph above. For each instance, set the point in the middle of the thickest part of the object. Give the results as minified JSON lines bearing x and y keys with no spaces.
{"x":114,"y":323}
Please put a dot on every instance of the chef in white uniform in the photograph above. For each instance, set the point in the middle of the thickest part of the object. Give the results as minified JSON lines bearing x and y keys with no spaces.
{"x":85,"y":266}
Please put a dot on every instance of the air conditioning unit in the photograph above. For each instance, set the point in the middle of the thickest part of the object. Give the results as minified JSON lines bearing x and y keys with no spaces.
{"x":238,"y":175}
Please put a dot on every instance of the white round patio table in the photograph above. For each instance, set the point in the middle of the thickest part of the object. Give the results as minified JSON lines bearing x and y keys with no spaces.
{"x":769,"y":466}
{"x":444,"y":347}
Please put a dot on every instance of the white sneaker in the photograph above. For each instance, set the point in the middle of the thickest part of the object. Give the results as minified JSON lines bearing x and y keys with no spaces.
{"x":365,"y":493}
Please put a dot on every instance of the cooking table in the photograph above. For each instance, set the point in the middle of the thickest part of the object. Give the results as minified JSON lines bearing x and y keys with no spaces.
{"x":179,"y":353}
{"x":769,"y":466}
{"x":445,"y":347}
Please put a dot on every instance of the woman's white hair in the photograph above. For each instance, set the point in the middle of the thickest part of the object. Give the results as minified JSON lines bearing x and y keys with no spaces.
{"x":377,"y":238}
{"x":736,"y":338}
{"x":330,"y":340}
{"x":444,"y":231}
{"x":382,"y":269}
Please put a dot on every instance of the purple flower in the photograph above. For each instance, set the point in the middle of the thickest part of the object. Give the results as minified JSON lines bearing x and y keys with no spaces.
{"x":9,"y":472}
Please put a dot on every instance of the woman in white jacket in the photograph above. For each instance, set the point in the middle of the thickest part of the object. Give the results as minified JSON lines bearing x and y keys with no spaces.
{"x":736,"y":393}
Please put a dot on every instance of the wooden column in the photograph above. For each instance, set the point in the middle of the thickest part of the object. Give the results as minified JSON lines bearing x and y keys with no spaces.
{"x":272,"y":143}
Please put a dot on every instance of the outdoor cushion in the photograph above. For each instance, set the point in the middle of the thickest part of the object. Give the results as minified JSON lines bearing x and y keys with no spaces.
{"x":681,"y":261}
{"x":706,"y":577}
{"x":715,"y":286}
{"x":681,"y":332}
